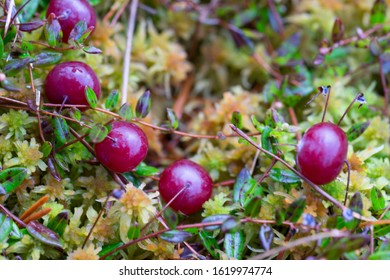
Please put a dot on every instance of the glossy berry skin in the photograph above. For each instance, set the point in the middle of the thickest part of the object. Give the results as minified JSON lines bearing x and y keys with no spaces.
{"x":69,"y":13}
{"x":185,"y":173}
{"x":128,"y":149}
{"x":322,"y":152}
{"x":69,"y":79}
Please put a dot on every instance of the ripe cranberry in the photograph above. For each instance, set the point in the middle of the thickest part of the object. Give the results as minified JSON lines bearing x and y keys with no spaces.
{"x":124,"y":149}
{"x":321,"y":152}
{"x":70,"y":12}
{"x":185,"y":173}
{"x":69,"y":80}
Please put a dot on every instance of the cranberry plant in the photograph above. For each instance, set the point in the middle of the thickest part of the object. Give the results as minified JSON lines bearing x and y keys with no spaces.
{"x":180,"y":130}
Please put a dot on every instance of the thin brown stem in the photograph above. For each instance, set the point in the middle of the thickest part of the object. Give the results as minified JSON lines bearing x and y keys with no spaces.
{"x":164,"y":208}
{"x":349,"y":107}
{"x":348,"y":180}
{"x":301,"y":241}
{"x":95,"y":223}
{"x":294,"y":121}
{"x":12,"y":216}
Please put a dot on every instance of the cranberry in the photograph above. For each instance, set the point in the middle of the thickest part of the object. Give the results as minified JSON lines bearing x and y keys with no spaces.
{"x":69,"y":80}
{"x":124,"y":148}
{"x":70,"y":12}
{"x":185,"y":173}
{"x":322,"y":152}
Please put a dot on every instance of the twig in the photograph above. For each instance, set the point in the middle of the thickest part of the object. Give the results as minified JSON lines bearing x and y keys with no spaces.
{"x":348,"y":179}
{"x":301,"y":241}
{"x":129,"y":42}
{"x":349,"y":107}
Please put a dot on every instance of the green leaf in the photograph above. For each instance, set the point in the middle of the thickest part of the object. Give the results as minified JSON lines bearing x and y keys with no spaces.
{"x":355,"y":205}
{"x":28,"y":12}
{"x":172,"y":119}
{"x":59,"y":223}
{"x":175,"y":236}
{"x":15,"y":65}
{"x":210,"y":243}
{"x":252,"y":206}
{"x":266,"y":236}
{"x":1,"y":47}
{"x":145,"y":170}
{"x":126,"y":112}
{"x":46,"y":58}
{"x":284,"y":176}
{"x":53,"y":32}
{"x":377,"y":199}
{"x":356,"y":130}
{"x":29,"y":27}
{"x":237,"y":119}
{"x":381,"y":255}
{"x":378,"y":12}
{"x":268,"y":141}
{"x":91,"y":97}
{"x":15,"y":233}
{"x":234,"y":244}
{"x":215,"y":218}
{"x":257,"y":124}
{"x":241,"y":185}
{"x":94,"y":2}
{"x":108,"y":248}
{"x":43,"y":234}
{"x":61,"y":131}
{"x":134,"y":232}
{"x":78,"y":32}
{"x":295,"y":209}
{"x":5,"y":226}
{"x":337,"y":248}
{"x":46,"y":148}
{"x":144,"y":103}
{"x":11,"y":178}
{"x":98,"y":133}
{"x":112,"y":100}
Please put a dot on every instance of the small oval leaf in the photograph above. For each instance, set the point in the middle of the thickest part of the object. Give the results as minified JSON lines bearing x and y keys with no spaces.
{"x":175,"y":236}
{"x":237,"y":119}
{"x":43,"y":234}
{"x":112,"y":100}
{"x":5,"y":226}
{"x":220,"y":218}
{"x":91,"y":97}
{"x":144,"y":103}
{"x":234,"y":244}
{"x":356,"y":130}
{"x":172,"y":119}
{"x":126,"y":112}
{"x":59,"y":223}
{"x":284,"y":176}
{"x":12,"y":177}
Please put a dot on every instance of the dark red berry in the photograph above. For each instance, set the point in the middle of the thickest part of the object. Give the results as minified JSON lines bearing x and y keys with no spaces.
{"x":70,"y":12}
{"x":124,"y":148}
{"x":322,"y":152}
{"x":185,"y":173}
{"x":69,"y":80}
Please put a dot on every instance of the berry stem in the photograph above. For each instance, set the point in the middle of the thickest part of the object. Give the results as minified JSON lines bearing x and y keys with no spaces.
{"x":348,"y":180}
{"x":314,"y":186}
{"x":326,"y":102}
{"x":350,"y":106}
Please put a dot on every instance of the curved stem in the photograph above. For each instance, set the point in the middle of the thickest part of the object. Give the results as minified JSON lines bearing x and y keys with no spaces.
{"x":359,"y":95}
{"x":348,"y":180}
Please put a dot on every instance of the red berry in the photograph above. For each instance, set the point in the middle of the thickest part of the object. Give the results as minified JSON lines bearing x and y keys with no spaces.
{"x":69,"y":80}
{"x":70,"y":12}
{"x":185,"y":173}
{"x":124,"y":148}
{"x":322,"y":152}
